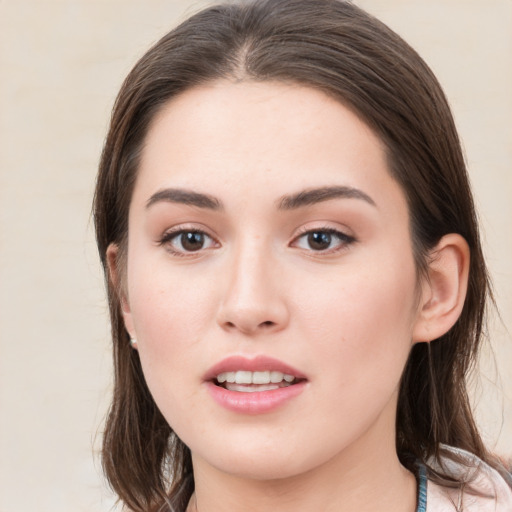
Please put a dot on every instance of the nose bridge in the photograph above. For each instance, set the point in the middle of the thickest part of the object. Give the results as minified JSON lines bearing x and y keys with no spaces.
{"x":250,"y":263}
{"x":253,"y":299}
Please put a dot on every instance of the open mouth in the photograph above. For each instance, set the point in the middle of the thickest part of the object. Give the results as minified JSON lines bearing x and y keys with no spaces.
{"x":250,"y":382}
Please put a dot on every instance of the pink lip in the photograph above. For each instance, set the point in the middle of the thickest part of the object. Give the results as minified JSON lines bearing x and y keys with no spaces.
{"x":258,"y":402}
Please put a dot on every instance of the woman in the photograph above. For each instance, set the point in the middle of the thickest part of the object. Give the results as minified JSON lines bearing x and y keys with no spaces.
{"x":294,"y":270}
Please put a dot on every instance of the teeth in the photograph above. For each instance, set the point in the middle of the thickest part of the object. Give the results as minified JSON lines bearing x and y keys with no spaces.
{"x":245,"y":377}
{"x":261,"y":378}
{"x":251,"y":389}
{"x":226,"y":377}
{"x":276,"y":376}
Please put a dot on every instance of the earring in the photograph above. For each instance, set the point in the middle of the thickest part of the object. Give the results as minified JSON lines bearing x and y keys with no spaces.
{"x":133,"y":343}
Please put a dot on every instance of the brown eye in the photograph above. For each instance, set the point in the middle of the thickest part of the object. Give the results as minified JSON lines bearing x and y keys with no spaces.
{"x":319,"y":240}
{"x":183,"y":242}
{"x":192,"y":240}
{"x":323,"y":240}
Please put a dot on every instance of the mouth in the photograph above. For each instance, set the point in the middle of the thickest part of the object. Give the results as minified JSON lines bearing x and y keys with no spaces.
{"x":255,"y":381}
{"x":254,"y":385}
{"x":253,"y":374}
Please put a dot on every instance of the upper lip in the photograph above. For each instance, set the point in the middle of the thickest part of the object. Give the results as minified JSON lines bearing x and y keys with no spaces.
{"x":254,"y":364}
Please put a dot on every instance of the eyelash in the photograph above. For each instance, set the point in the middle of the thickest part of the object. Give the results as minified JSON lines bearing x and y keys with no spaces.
{"x":174,"y":234}
{"x":344,"y":240}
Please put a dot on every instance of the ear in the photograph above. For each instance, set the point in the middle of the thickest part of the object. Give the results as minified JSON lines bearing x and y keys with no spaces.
{"x":444,"y":289}
{"x":116,"y":270}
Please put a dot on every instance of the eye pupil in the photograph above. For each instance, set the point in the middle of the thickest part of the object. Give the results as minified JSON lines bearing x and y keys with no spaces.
{"x":192,"y":240}
{"x":319,"y":240}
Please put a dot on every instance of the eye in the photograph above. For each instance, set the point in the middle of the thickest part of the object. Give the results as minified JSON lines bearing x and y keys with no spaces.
{"x":323,"y":240}
{"x":185,"y":241}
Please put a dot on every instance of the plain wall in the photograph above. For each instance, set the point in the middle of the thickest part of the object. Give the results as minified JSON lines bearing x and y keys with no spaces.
{"x":61,"y":64}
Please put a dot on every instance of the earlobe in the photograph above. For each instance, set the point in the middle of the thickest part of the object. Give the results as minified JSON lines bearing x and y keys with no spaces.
{"x":444,"y":290}
{"x":116,"y":270}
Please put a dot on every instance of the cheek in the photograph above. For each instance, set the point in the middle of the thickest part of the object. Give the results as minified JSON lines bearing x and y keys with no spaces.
{"x":172,"y":313}
{"x":168,"y":303}
{"x":172,"y":316}
{"x":362,"y":323}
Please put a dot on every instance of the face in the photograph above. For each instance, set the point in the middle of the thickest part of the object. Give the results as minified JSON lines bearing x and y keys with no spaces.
{"x":270,"y":280}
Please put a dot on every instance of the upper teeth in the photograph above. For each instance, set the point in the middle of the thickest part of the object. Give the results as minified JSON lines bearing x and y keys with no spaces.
{"x":244,"y":377}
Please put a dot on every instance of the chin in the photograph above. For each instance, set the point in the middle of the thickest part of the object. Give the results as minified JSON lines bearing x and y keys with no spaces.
{"x":262,"y":468}
{"x":261,"y":459}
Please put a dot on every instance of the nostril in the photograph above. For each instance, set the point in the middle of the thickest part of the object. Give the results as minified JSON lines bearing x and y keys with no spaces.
{"x":247,"y":327}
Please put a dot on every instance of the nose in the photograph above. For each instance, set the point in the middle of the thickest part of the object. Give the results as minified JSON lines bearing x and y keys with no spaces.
{"x":254,"y":299}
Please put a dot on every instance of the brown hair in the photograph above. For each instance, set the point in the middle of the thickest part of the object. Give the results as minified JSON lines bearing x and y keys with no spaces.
{"x":335,"y":47}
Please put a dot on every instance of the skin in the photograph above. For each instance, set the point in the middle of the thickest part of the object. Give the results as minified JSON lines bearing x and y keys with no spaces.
{"x":346,"y":316}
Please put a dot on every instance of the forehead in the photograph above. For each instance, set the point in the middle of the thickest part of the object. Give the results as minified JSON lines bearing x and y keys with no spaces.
{"x":260,"y":136}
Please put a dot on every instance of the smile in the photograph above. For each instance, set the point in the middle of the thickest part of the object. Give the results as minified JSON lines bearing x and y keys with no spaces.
{"x":253,"y":385}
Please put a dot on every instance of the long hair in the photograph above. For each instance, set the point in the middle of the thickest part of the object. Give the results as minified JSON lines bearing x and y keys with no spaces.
{"x":335,"y":47}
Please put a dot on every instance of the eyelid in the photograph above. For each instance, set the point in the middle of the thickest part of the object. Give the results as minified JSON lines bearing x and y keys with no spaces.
{"x":324,"y":225}
{"x":169,"y":234}
{"x":345,"y":238}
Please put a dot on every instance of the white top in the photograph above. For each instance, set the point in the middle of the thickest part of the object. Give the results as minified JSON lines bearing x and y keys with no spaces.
{"x":491,"y":492}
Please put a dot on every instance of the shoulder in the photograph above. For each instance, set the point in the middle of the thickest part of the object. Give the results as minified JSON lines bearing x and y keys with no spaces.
{"x":487,"y":492}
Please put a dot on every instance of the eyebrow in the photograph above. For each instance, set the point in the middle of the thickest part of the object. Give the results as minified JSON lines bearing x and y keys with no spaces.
{"x":317,"y":195}
{"x":183,"y":196}
{"x":303,"y":198}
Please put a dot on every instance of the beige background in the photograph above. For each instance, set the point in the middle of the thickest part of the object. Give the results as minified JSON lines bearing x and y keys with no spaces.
{"x":61,"y":64}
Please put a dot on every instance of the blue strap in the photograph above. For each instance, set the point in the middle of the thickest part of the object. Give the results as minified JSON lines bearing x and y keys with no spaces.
{"x":422,"y":488}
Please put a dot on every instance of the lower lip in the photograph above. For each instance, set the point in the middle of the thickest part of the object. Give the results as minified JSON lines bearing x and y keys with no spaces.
{"x":257,"y":402}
